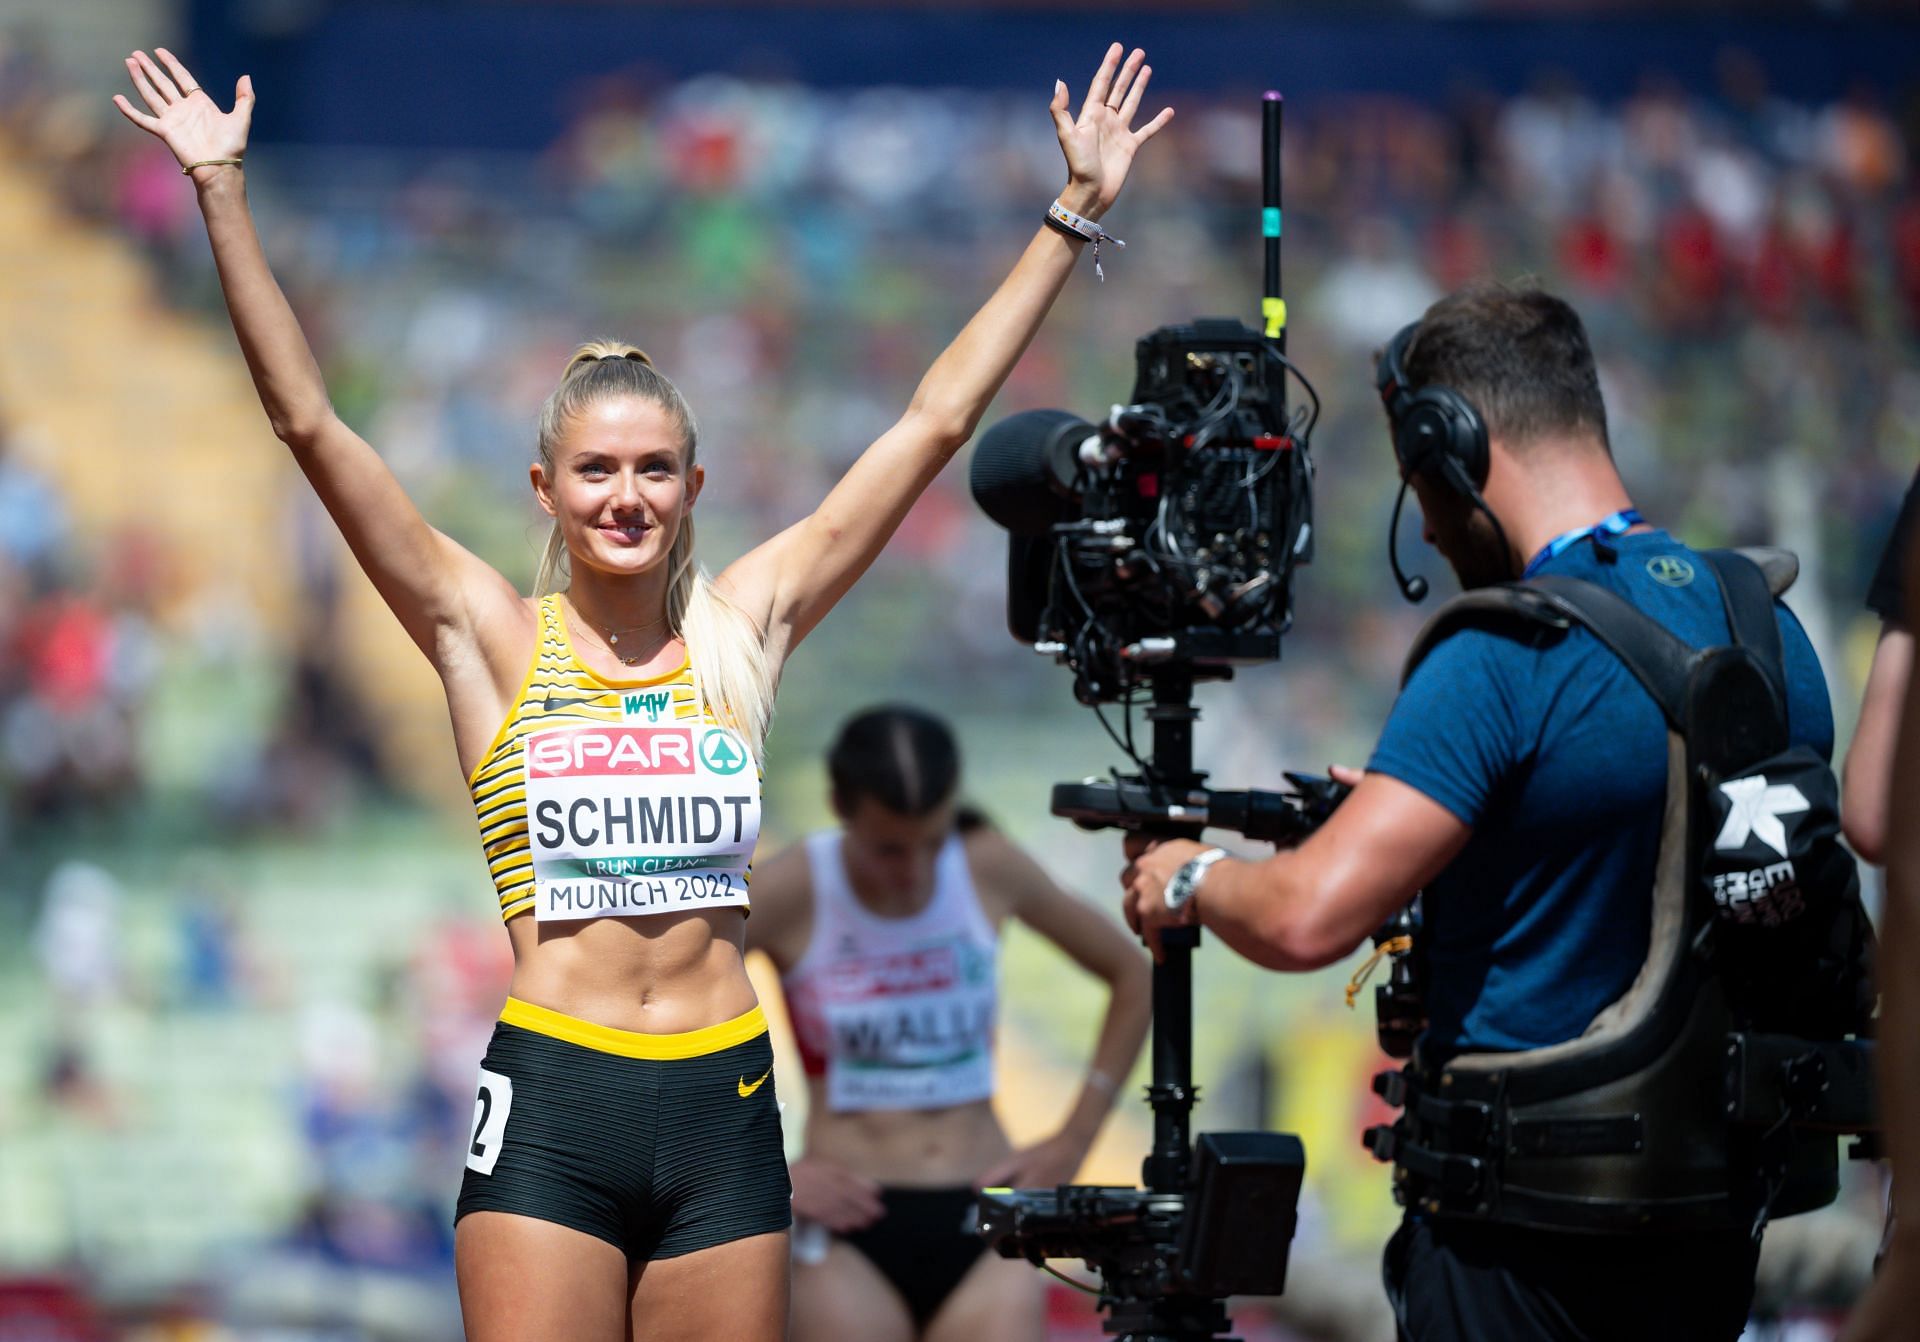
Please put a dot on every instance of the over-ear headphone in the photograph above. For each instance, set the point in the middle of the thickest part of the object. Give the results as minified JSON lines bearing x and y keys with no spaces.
{"x":1436,"y":433}
{"x":1436,"y":430}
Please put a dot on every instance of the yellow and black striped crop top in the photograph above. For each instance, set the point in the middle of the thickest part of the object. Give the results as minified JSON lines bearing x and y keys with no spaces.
{"x":559,"y":692}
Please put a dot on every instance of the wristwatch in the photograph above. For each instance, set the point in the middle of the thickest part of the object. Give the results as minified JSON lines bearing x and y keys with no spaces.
{"x":1186,"y":881}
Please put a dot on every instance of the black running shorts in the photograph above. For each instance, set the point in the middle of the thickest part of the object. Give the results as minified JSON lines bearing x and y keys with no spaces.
{"x":658,"y":1144}
{"x":924,"y":1243}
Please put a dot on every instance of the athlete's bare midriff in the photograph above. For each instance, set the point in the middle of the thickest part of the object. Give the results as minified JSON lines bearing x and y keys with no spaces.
{"x":907,"y":1148}
{"x":662,"y":974}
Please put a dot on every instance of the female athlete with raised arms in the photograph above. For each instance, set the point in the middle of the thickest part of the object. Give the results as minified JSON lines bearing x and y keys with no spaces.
{"x":886,"y":933}
{"x":625,"y":1174}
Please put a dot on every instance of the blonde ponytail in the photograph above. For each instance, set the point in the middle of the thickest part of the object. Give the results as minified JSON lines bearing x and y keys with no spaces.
{"x":727,"y":649}
{"x":553,"y":560}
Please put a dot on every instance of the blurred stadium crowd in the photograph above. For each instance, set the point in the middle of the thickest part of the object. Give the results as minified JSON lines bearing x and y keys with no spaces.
{"x":1749,"y":267}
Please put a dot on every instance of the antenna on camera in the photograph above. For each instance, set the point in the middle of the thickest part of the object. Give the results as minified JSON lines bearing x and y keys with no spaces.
{"x":1273,"y":308}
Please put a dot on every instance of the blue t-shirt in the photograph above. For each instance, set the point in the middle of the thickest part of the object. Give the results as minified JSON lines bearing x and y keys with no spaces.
{"x":1556,"y":757}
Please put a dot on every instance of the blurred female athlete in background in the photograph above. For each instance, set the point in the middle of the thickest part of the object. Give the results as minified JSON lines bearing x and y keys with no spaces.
{"x":886,"y":933}
{"x":625,"y":1174}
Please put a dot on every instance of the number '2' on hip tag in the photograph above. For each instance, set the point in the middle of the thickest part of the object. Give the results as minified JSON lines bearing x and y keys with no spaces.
{"x":490,"y":1108}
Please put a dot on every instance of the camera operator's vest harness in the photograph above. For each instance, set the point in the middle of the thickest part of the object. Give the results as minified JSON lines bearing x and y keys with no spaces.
{"x":1683,"y":1106}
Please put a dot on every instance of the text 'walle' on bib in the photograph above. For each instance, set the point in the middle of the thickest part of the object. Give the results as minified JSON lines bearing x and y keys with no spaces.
{"x":626,"y":821}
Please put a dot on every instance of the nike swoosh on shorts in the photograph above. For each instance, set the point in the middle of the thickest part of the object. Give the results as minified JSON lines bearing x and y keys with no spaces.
{"x":746,"y":1090}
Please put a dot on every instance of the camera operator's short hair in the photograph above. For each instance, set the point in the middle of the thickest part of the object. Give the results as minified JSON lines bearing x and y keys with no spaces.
{"x":1518,"y":354}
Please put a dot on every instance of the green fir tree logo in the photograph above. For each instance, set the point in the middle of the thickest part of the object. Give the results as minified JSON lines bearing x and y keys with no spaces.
{"x":721,"y":753}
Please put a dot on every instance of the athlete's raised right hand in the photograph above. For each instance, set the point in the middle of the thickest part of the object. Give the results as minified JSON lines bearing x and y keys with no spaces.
{"x":184,"y":116}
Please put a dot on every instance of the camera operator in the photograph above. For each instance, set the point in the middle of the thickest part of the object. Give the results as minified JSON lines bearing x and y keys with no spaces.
{"x":1519,"y":783}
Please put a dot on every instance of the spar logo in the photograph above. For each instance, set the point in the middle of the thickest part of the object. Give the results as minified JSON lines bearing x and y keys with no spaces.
{"x":600,"y":752}
{"x":721,"y":752}
{"x":930,"y":969}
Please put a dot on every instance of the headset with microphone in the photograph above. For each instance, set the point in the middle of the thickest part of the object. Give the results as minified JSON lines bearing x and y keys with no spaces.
{"x":1435,"y":430}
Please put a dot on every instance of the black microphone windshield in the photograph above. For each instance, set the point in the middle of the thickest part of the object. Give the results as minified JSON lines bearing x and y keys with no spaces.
{"x":1023,"y":469}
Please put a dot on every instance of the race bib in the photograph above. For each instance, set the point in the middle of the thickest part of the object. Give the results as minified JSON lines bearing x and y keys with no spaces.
{"x":491,"y":1104}
{"x":911,"y":1030}
{"x":626,"y":820}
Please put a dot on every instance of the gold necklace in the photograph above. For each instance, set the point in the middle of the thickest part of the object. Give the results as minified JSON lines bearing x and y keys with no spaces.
{"x":611,"y":637}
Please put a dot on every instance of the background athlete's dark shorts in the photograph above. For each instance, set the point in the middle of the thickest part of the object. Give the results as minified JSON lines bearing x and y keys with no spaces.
{"x":659,"y":1157}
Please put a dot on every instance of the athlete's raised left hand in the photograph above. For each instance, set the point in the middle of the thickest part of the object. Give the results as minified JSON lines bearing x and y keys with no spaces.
{"x":1100,"y":143}
{"x":183,"y":115}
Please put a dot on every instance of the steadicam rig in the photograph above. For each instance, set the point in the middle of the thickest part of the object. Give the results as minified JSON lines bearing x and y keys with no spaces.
{"x":1148,"y":551}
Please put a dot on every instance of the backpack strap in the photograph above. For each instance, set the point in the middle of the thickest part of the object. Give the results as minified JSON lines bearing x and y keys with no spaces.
{"x":1749,"y":580}
{"x":1551,"y":603}
{"x":1658,"y":660}
{"x":1506,"y":604}
{"x":1748,"y":597}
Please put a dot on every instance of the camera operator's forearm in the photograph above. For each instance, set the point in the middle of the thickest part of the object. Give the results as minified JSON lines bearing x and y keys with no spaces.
{"x":1259,"y":910}
{"x":285,"y":373}
{"x":1307,"y":907}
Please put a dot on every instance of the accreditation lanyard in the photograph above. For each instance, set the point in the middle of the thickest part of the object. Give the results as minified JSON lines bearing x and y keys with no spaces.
{"x":1605,"y":529}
